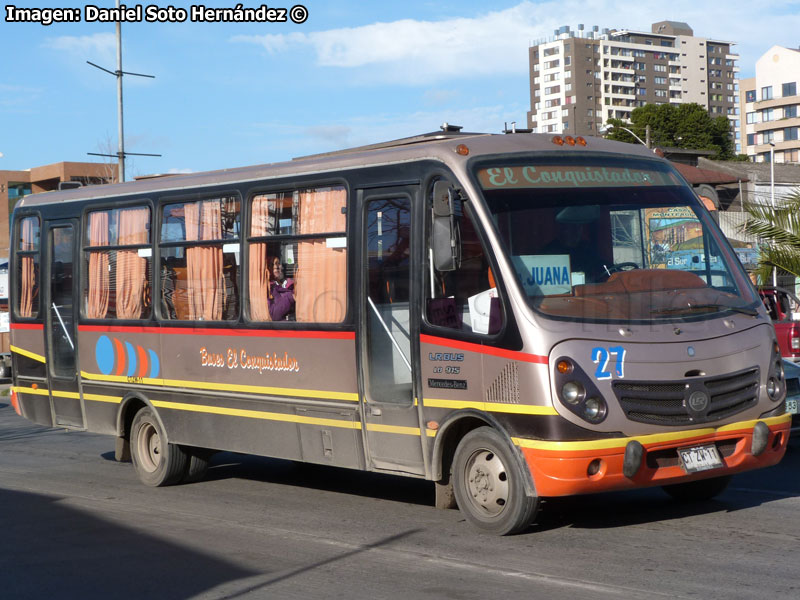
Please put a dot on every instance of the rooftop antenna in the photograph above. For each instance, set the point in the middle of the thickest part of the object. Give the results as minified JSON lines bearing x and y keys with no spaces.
{"x":121,"y":154}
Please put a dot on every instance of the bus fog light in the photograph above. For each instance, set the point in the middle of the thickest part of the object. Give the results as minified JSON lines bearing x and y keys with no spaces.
{"x":594,"y":410}
{"x":595,"y":468}
{"x":573,"y":392}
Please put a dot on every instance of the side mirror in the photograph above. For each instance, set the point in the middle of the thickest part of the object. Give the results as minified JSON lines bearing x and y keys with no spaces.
{"x":444,"y":237}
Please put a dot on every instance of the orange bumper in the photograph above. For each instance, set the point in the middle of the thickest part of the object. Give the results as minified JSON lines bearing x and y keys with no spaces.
{"x":568,"y":468}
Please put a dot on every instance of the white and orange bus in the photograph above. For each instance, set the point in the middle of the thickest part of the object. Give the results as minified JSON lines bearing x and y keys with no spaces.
{"x":510,"y":316}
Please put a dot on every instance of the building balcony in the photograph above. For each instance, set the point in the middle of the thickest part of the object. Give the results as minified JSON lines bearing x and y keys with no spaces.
{"x":784,"y":101}
{"x":776,"y":124}
{"x":779,"y":146}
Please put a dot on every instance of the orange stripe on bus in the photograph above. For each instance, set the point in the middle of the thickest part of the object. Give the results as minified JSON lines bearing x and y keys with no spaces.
{"x":143,"y":361}
{"x":261,"y":333}
{"x":481,"y":349}
{"x":119,"y":350}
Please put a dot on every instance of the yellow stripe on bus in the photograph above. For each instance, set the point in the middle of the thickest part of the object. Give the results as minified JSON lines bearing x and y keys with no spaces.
{"x":101,"y":398}
{"x":655,"y":438}
{"x":65,"y":394}
{"x":393,"y":429}
{"x":225,"y":387}
{"x":517,"y":409}
{"x":30,"y":390}
{"x":28,"y":353}
{"x":256,"y":414}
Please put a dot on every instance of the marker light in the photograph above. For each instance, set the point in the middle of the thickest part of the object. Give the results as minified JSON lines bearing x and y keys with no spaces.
{"x":580,"y":141}
{"x":570,"y":140}
{"x":462,"y":150}
{"x":564,"y":367}
{"x":558,"y":140}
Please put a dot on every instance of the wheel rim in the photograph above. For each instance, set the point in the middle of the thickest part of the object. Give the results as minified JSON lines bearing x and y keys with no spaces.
{"x":487,"y":482}
{"x":149,"y":446}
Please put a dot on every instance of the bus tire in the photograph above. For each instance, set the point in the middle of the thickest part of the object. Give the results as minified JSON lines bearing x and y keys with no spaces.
{"x":196,"y":465}
{"x":156,"y":461}
{"x":488,"y":484}
{"x":698,"y":491}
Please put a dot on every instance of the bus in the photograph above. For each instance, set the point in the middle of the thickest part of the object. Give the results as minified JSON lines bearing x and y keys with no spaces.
{"x":511,"y":316}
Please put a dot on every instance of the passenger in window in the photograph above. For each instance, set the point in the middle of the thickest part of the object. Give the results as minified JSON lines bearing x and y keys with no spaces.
{"x":281,"y":293}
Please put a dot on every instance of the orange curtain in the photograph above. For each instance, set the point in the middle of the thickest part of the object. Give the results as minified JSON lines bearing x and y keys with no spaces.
{"x":29,"y":271}
{"x":321,"y":279}
{"x":99,"y":289}
{"x":205,"y":282}
{"x":131,"y":276}
{"x":259,"y":274}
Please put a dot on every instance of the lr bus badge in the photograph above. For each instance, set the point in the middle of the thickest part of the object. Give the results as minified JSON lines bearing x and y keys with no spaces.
{"x":697,"y":404}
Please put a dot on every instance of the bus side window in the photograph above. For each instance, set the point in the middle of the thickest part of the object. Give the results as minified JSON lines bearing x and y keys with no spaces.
{"x":27,"y":302}
{"x":297,"y":255}
{"x":465,"y":298}
{"x":200,"y":259}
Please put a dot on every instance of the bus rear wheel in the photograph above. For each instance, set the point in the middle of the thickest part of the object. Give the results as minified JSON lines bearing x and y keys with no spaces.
{"x":698,"y":491}
{"x":156,"y":461}
{"x":488,"y":484}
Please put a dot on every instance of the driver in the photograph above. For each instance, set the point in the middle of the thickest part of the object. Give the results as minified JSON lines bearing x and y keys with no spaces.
{"x":579,"y":241}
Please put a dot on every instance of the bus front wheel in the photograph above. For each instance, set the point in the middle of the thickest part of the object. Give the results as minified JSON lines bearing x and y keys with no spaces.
{"x":488,"y":484}
{"x":156,"y":461}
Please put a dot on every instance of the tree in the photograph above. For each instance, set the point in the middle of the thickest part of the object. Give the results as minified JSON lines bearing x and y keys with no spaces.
{"x":779,"y":230}
{"x":677,"y":126}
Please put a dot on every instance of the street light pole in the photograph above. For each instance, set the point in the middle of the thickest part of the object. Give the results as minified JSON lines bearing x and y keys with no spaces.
{"x":120,"y":133}
{"x":772,"y":198}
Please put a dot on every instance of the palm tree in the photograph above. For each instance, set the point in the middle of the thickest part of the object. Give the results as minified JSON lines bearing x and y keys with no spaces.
{"x":779,"y":231}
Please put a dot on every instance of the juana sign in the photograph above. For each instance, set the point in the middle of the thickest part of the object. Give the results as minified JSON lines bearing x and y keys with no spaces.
{"x":544,"y":274}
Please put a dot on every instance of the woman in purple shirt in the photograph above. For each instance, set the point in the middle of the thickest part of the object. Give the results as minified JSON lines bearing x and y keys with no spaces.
{"x":281,"y":293}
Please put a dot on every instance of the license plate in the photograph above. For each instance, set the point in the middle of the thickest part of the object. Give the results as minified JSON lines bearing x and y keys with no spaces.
{"x":699,"y":458}
{"x":791,"y":405}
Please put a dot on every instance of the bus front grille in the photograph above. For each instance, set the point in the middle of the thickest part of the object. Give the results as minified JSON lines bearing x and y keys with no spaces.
{"x":667,"y":403}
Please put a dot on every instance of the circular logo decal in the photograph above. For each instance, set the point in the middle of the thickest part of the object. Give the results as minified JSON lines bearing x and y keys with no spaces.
{"x":697,"y":402}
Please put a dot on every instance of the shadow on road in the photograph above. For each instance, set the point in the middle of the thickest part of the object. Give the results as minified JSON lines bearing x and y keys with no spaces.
{"x":321,"y":477}
{"x":49,"y":550}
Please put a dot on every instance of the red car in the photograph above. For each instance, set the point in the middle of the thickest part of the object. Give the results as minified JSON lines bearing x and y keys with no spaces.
{"x":784,"y":309}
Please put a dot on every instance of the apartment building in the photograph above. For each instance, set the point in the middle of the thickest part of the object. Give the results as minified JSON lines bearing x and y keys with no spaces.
{"x":770,"y":103}
{"x":580,"y":79}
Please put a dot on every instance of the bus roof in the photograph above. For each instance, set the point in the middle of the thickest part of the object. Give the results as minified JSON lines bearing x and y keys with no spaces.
{"x":435,"y":145}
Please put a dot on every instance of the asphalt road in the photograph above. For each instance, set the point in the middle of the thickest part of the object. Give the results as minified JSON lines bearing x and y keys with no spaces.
{"x":76,"y":524}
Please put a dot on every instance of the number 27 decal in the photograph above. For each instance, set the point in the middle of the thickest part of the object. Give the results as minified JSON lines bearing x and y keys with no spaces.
{"x":600,"y":357}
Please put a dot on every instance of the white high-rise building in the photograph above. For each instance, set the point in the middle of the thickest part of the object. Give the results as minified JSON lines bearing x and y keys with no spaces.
{"x":580,"y":79}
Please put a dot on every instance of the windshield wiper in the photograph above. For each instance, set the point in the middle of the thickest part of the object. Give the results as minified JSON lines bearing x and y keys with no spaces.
{"x":739,"y":309}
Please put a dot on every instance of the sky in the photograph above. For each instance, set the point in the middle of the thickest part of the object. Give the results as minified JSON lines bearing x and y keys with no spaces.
{"x":229,"y":94}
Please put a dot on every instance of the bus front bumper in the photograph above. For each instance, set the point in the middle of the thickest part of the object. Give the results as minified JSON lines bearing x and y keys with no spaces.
{"x":581,"y":467}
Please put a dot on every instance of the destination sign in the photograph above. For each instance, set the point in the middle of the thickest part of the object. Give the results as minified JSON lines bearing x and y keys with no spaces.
{"x":565,"y":176}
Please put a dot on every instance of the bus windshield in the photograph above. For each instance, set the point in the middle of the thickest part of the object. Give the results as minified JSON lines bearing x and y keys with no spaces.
{"x":608,"y":239}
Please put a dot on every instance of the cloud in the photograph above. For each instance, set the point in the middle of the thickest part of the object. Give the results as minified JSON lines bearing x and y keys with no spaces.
{"x":100,"y":46}
{"x":434,"y":97}
{"x":410,"y":51}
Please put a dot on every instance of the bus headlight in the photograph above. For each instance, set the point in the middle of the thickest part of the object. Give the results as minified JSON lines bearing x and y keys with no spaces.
{"x":594,"y":410}
{"x":573,"y":392}
{"x":773,"y":388}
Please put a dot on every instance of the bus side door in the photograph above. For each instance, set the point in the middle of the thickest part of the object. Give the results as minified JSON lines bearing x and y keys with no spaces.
{"x":389,"y":329}
{"x":62,"y":274}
